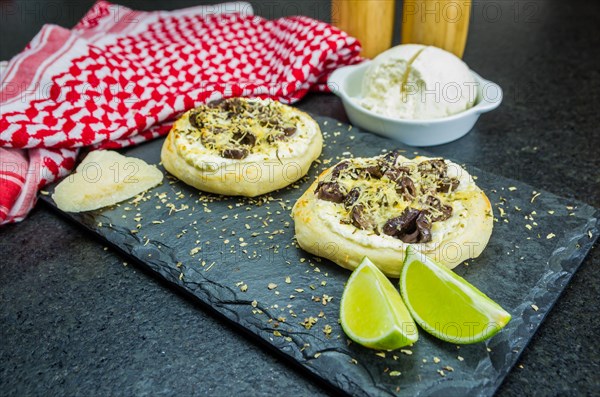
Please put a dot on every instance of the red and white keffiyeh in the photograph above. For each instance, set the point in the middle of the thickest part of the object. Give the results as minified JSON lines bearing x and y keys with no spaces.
{"x":120,"y":76}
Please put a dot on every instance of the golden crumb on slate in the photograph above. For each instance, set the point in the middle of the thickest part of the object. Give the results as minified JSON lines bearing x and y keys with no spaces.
{"x":309,"y":322}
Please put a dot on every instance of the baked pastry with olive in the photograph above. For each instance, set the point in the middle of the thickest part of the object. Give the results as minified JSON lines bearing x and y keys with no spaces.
{"x":377,"y":206}
{"x":241,"y":146}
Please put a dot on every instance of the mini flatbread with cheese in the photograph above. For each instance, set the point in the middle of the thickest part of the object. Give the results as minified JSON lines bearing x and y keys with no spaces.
{"x":241,"y":146}
{"x":376,"y":206}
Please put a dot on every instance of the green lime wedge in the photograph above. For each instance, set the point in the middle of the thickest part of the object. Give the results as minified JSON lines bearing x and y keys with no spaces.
{"x":372,"y":312}
{"x":445,"y":304}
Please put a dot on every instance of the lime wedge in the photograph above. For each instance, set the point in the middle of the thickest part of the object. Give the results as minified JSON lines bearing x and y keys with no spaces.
{"x":445,"y":304}
{"x":372,"y":312}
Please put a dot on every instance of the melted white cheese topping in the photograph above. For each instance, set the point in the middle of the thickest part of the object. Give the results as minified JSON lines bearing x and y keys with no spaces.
{"x":194,"y":152}
{"x":332,"y":213}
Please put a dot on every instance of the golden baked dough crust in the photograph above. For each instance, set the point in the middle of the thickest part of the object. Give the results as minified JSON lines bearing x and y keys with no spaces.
{"x":272,"y":161}
{"x":324,"y":229}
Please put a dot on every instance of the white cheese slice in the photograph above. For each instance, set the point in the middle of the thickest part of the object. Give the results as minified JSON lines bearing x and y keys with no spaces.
{"x":105,"y":178}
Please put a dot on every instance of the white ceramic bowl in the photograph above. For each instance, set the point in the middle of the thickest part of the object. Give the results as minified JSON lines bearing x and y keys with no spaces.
{"x":346,"y":82}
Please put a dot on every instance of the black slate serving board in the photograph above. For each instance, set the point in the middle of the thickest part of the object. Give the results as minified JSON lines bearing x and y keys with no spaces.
{"x":225,"y":252}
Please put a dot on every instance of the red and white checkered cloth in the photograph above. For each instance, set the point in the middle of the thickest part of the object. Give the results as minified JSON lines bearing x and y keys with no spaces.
{"x":120,"y":76}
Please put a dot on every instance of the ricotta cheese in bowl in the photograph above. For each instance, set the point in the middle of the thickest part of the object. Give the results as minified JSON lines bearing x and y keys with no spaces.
{"x":418,"y":95}
{"x":418,"y":82}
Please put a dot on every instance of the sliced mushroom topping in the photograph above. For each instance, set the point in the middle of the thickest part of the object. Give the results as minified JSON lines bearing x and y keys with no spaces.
{"x":351,"y":197}
{"x":442,"y":211}
{"x":406,"y":188}
{"x":235,"y":153}
{"x":360,"y":218}
{"x":330,"y":191}
{"x":447,"y":185}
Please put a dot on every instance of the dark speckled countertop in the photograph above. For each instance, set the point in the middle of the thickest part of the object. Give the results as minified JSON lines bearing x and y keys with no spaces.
{"x":75,"y":320}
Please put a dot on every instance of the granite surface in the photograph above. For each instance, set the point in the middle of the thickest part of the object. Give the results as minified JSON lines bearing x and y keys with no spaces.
{"x":74,"y":320}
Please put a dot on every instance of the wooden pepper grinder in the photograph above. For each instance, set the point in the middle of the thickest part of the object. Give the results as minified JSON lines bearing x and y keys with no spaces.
{"x":441,"y":23}
{"x":370,"y":21}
